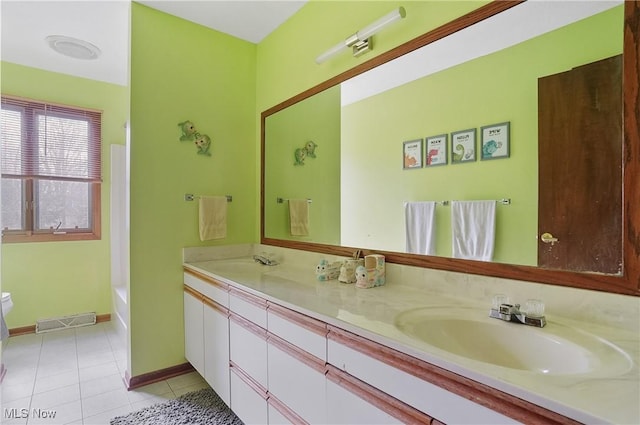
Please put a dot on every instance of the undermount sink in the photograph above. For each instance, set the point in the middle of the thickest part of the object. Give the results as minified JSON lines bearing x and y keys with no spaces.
{"x":553,"y":350}
{"x":236,"y":265}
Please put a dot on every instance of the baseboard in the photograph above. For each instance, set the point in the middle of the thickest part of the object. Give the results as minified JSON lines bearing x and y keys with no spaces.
{"x":133,"y":382}
{"x":23,"y":330}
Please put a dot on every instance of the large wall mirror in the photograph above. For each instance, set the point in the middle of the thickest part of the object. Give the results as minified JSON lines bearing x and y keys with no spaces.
{"x":357,"y":183}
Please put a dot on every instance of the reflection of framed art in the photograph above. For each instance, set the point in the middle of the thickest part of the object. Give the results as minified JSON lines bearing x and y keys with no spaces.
{"x":495,"y":141}
{"x":435,"y":151}
{"x":463,"y":146}
{"x":412,"y":151}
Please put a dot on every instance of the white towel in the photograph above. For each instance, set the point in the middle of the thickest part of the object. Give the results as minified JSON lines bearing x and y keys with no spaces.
{"x":473,"y":226}
{"x":299,"y":217}
{"x":213,"y":217}
{"x":420,"y":227}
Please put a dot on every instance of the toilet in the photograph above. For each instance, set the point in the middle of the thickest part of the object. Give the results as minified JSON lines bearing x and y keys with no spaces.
{"x":7,"y":304}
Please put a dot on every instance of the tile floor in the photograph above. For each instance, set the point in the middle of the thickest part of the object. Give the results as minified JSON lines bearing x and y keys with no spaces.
{"x":78,"y":375}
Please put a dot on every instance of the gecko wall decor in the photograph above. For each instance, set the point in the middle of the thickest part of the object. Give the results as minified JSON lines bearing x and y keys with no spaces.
{"x":191,"y":134}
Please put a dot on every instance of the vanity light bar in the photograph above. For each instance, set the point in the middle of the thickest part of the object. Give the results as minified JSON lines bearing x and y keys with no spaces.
{"x":359,"y":41}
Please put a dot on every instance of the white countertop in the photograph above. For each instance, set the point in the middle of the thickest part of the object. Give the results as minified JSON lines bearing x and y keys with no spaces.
{"x":590,"y":398}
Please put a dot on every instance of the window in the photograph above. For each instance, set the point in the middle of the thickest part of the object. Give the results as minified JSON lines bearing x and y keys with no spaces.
{"x":51,"y":172}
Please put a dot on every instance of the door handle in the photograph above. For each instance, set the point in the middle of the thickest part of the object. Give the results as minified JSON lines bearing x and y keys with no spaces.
{"x":548,"y":238}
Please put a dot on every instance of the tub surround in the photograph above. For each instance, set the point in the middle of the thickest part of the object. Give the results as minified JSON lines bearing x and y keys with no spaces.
{"x":371,"y":314}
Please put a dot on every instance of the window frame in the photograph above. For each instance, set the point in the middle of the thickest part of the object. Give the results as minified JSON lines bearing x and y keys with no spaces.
{"x":29,"y":186}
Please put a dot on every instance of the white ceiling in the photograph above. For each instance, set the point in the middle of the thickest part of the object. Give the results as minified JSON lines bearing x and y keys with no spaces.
{"x":26,"y":23}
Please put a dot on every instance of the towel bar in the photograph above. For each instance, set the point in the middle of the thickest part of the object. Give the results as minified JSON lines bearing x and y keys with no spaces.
{"x":503,"y":201}
{"x":282,"y":200}
{"x":191,"y":197}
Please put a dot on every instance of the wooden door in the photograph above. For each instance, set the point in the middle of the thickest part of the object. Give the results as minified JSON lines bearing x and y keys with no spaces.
{"x":580,"y":168}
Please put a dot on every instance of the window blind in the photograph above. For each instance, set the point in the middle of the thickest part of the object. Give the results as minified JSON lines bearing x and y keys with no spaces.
{"x":48,"y":141}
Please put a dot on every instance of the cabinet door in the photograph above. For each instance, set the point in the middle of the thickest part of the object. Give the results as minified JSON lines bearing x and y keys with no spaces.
{"x":193,"y":329}
{"x":216,"y":348}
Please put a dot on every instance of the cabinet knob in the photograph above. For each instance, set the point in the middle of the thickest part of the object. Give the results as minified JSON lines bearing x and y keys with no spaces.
{"x":548,"y":238}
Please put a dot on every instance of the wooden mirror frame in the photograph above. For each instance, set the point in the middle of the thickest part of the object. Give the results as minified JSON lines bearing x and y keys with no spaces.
{"x":628,"y":283}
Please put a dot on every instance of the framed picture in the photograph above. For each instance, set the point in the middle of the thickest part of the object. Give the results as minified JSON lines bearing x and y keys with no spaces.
{"x":495,"y":141}
{"x":463,"y":146}
{"x":412,"y":151}
{"x":435,"y":151}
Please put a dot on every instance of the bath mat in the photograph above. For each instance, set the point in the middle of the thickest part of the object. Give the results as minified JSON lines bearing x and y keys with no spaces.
{"x":196,"y":408}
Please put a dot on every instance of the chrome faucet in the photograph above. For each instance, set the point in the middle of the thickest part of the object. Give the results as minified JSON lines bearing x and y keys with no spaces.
{"x":511,"y":312}
{"x":265,"y":260}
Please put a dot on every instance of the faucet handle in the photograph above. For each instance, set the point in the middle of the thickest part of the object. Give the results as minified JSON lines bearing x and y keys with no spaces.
{"x":534,"y":308}
{"x":498,"y":300}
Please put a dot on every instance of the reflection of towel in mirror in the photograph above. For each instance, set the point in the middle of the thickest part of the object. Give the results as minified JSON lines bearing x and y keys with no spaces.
{"x":420,"y":227}
{"x":213,"y":217}
{"x":299,"y":217}
{"x":473,"y":226}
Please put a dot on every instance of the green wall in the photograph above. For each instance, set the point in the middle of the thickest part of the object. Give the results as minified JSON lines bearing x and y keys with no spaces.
{"x":51,"y":279}
{"x":183,"y":71}
{"x":499,"y":87}
{"x":317,"y":119}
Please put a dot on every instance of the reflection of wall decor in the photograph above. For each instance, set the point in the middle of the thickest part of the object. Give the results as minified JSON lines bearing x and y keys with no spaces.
{"x":435,"y":150}
{"x":463,"y":146}
{"x":308,"y":150}
{"x":412,"y":154}
{"x":190,"y":134}
{"x":495,"y":141}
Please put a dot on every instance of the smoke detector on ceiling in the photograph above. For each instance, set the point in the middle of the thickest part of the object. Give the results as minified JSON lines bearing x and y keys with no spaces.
{"x":73,"y":47}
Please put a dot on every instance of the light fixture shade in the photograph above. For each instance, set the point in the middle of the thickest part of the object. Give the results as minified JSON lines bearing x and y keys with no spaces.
{"x":73,"y":47}
{"x":331,"y":52}
{"x":364,"y":33}
{"x":381,"y":23}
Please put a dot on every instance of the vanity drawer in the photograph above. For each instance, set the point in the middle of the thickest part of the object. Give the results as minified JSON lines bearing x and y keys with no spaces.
{"x":208,"y":286}
{"x":248,"y":348}
{"x":351,"y":401}
{"x":297,"y":379}
{"x":279,"y":414}
{"x":249,"y":306}
{"x":248,"y":399}
{"x":372,"y":364}
{"x":300,"y":330}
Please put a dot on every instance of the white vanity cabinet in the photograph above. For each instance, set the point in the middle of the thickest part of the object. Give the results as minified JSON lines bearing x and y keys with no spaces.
{"x":206,"y":330}
{"x":274,"y":365}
